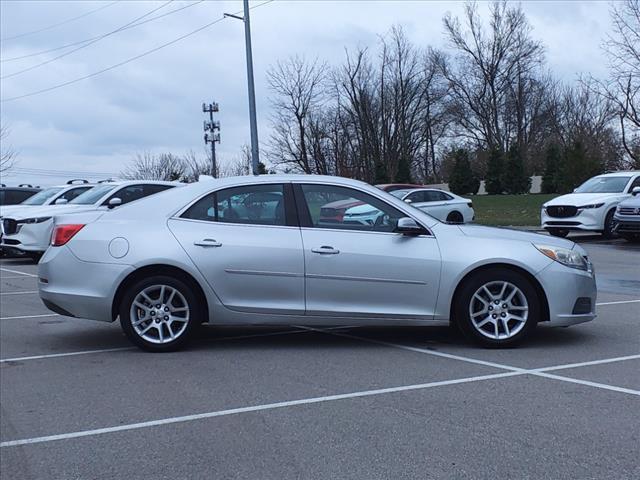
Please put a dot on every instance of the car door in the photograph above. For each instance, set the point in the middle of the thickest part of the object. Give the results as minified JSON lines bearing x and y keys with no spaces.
{"x":245,"y":241}
{"x":362,"y":268}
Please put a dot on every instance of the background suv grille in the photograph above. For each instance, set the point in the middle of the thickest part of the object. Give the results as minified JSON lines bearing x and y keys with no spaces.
{"x":629,"y":211}
{"x":562,"y":211}
{"x":9,"y":226}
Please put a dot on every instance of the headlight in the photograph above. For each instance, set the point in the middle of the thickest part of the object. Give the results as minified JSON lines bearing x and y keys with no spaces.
{"x":567,"y":257}
{"x":593,"y":205}
{"x":35,"y":220}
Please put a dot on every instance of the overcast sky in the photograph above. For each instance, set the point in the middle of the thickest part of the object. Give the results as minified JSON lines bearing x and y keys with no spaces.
{"x":154,"y":103}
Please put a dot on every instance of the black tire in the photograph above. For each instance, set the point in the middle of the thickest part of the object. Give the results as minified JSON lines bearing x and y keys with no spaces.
{"x":195,"y":314}
{"x":631,"y":237}
{"x":455,"y":217}
{"x":466,"y":292}
{"x":558,"y":232}
{"x":35,"y":256}
{"x":609,"y":223}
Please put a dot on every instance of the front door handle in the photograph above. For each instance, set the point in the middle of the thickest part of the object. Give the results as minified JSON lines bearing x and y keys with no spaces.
{"x":325,"y":250}
{"x":208,"y":242}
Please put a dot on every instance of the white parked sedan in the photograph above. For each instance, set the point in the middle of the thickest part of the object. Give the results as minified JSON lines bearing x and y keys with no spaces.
{"x":260,"y":250}
{"x":29,"y":231}
{"x":591,"y":206}
{"x":445,"y":206}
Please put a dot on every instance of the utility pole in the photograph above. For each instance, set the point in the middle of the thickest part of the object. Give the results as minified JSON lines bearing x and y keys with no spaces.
{"x":210,"y":135}
{"x":255,"y":154}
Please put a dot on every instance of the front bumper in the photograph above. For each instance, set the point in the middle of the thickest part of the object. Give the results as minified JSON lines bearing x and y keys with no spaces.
{"x":567,"y":290}
{"x":627,"y":224}
{"x":591,"y":219}
{"x":80,"y":289}
{"x":30,"y":237}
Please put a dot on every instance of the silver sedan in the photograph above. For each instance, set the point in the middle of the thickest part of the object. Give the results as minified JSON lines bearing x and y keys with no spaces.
{"x":276,"y":250}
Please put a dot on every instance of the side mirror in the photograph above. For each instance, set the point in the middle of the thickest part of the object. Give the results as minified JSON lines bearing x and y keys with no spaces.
{"x":114,"y":202}
{"x":635,"y":191}
{"x":408,"y":226}
{"x":61,"y":201}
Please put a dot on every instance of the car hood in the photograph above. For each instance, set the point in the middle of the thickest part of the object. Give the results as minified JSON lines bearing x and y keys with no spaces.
{"x":633,"y":202}
{"x":580,"y":199}
{"x":50,"y":211}
{"x":480,"y":231}
{"x":11,"y":209}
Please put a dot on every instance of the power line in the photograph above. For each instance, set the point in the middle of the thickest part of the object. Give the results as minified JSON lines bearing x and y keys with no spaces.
{"x":124,"y":62}
{"x":86,"y":40}
{"x":33,"y":67}
{"x":44,"y":29}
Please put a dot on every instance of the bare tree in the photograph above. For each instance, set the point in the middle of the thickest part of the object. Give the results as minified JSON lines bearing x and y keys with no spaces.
{"x":495,"y":81}
{"x":194,"y":166}
{"x":241,"y":165}
{"x":7,"y":154}
{"x":298,"y":88}
{"x":147,"y":166}
{"x":623,"y":50}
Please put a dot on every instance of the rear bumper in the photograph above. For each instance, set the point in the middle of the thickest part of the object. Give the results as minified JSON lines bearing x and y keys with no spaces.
{"x":80,"y":289}
{"x":567,"y":290}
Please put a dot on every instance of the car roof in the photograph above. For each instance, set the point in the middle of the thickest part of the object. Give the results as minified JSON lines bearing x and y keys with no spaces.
{"x":22,"y":189}
{"x":621,"y":173}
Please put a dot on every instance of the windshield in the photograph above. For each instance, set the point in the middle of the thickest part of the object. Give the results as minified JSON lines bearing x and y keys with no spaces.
{"x":92,"y":195}
{"x":400,"y":193}
{"x":603,"y":185}
{"x":42,"y":196}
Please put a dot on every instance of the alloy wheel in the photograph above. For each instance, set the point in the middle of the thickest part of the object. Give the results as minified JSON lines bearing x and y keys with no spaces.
{"x":498,"y":310}
{"x":159,"y":314}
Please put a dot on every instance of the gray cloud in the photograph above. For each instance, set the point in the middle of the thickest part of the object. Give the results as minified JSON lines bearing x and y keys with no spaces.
{"x":154,"y":103}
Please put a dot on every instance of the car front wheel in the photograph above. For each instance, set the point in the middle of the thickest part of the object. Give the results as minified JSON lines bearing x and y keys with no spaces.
{"x":159,"y":313}
{"x":609,"y":224}
{"x":497,"y":307}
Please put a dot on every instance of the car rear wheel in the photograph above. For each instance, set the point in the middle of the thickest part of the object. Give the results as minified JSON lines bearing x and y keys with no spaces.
{"x":497,"y":308}
{"x":160,"y":313}
{"x":455,"y":217}
{"x":558,"y":232}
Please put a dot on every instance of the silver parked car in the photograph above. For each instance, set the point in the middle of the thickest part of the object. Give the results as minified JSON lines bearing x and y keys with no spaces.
{"x":260,"y":250}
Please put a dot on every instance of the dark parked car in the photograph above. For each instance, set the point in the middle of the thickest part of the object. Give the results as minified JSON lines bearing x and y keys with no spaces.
{"x":16,"y":195}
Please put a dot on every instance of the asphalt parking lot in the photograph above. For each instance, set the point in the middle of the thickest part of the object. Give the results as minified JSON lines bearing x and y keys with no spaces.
{"x":78,"y":402}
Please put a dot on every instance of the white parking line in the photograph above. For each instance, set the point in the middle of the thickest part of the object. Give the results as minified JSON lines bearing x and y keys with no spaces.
{"x":30,"y":316}
{"x":18,"y":272}
{"x":617,"y":303}
{"x":68,"y":354}
{"x":103,"y":350}
{"x":18,"y":293}
{"x":515,"y":371}
{"x":536,"y":372}
{"x":254,"y":408}
{"x":588,"y":364}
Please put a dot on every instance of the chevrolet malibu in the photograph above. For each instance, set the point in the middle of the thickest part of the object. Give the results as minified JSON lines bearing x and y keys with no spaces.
{"x":256,"y":250}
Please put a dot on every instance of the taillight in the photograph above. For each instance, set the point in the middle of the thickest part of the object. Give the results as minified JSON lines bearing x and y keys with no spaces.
{"x":63,"y":233}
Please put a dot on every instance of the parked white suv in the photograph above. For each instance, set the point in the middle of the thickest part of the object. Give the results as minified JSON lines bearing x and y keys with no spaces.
{"x":591,"y":206}
{"x":29,"y":232}
{"x":56,"y":195}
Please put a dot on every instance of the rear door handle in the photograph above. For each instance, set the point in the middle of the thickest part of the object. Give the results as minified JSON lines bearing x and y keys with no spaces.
{"x":325,"y":250}
{"x":208,"y":242}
